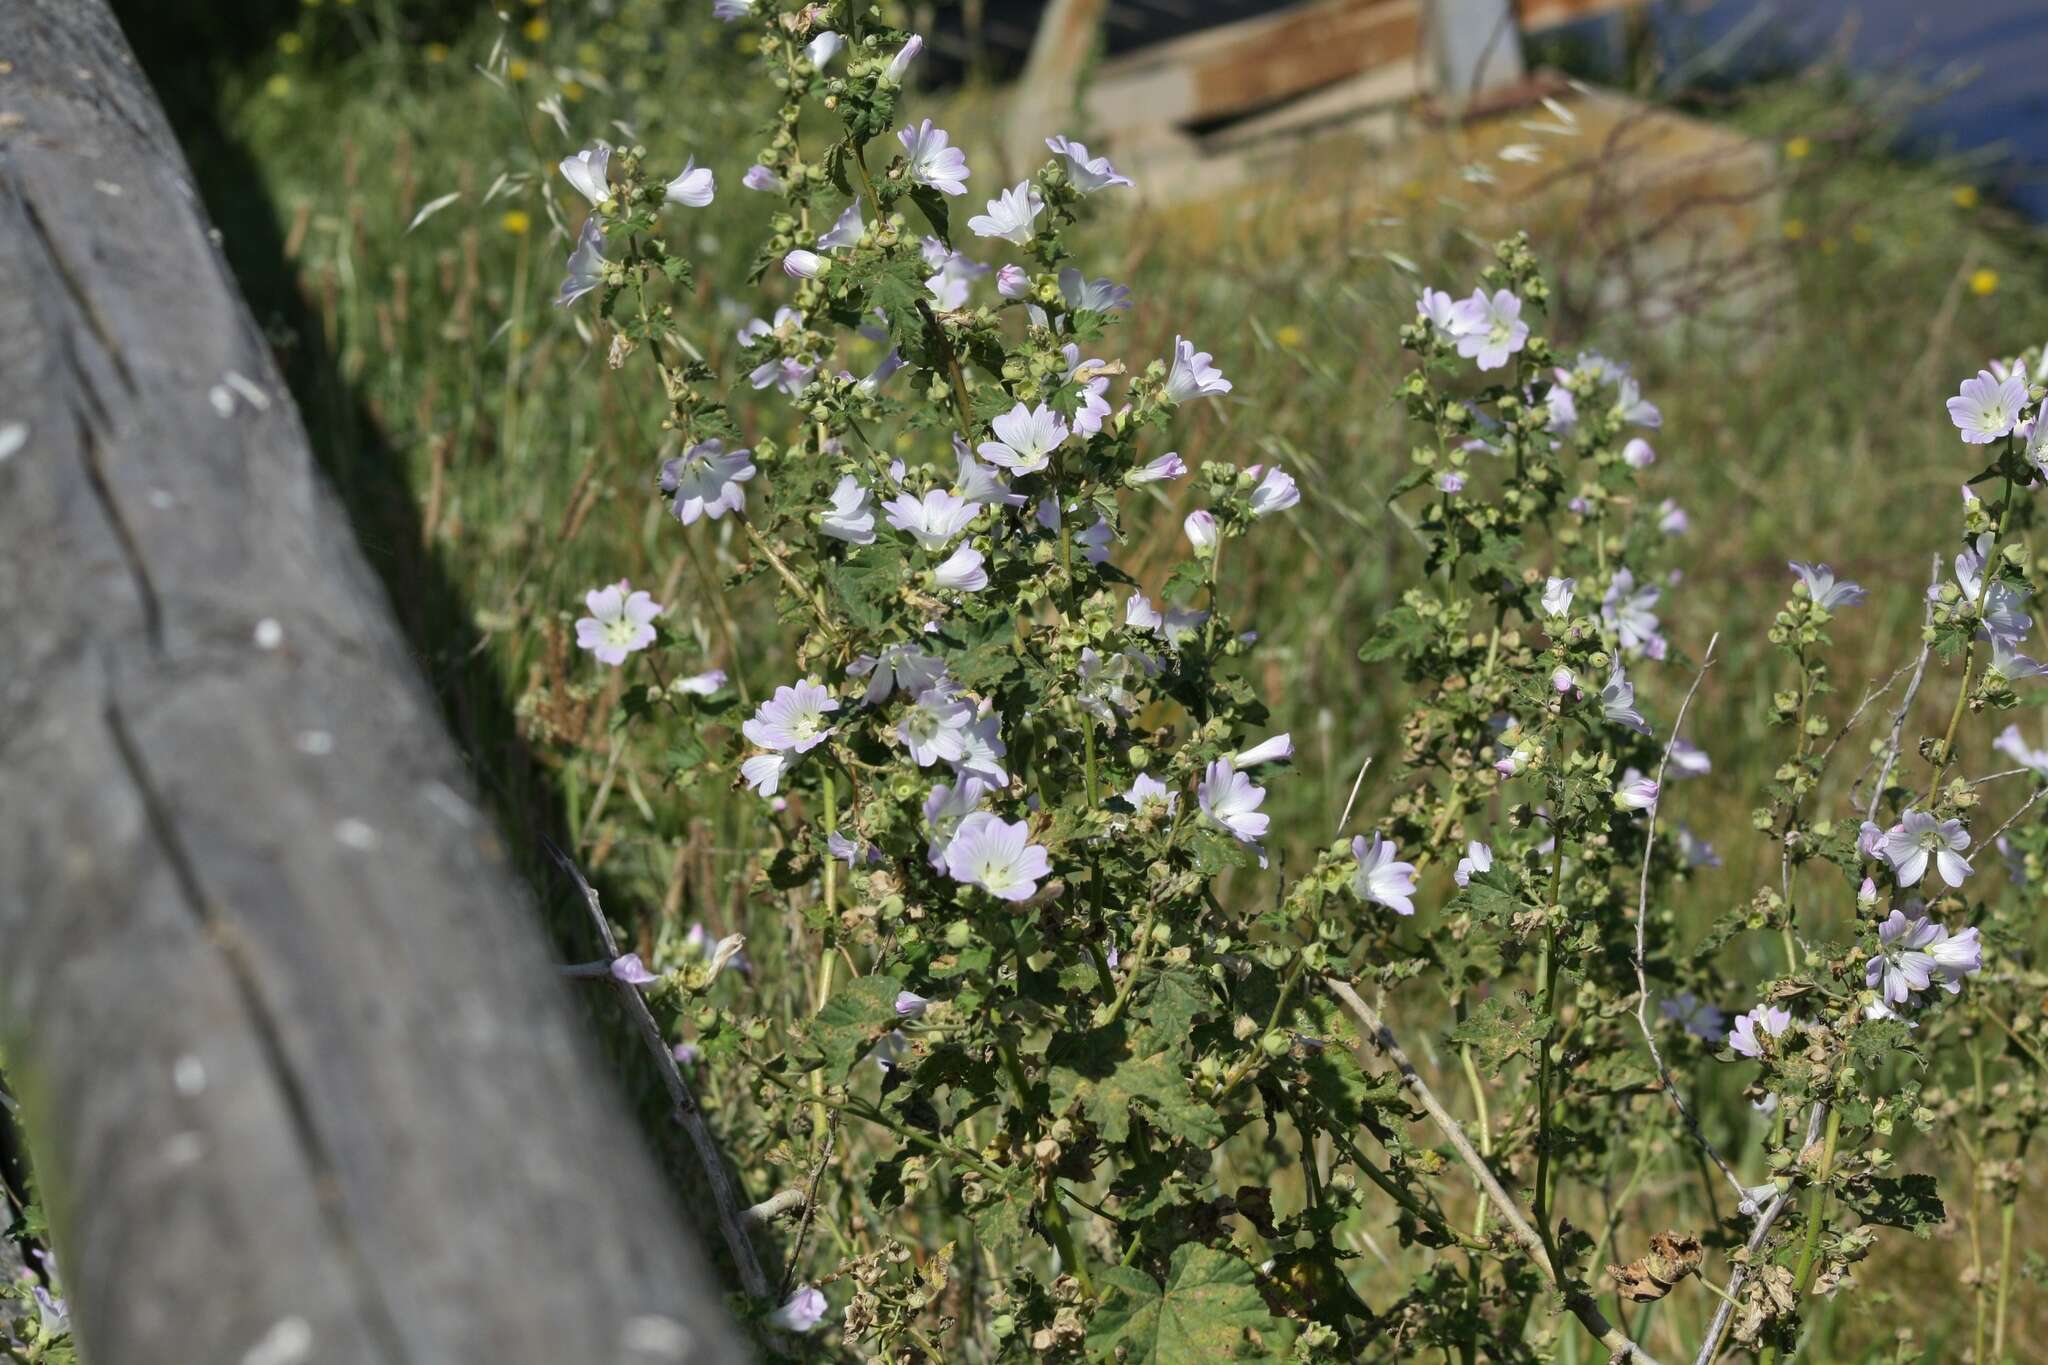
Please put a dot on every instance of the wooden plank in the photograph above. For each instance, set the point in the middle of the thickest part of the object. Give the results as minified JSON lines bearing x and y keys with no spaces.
{"x":304,"y":1084}
{"x":1238,"y":68}
{"x":1542,"y":14}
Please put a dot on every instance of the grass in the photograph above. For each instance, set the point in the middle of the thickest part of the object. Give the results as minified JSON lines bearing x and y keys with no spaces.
{"x":496,"y":469}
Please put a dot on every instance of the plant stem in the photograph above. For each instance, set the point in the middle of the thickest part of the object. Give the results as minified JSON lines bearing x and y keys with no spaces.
{"x":2005,"y":1220}
{"x":1547,"y":970}
{"x":1945,"y":755}
{"x":1802,"y":1277}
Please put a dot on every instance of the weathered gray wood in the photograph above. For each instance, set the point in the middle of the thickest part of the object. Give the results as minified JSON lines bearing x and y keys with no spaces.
{"x":1477,"y":47}
{"x":302,"y":1080}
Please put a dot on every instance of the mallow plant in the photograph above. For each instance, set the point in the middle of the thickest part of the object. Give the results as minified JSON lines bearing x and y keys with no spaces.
{"x":1086,"y":1068}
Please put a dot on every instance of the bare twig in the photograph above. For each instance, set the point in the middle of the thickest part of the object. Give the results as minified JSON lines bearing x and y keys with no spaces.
{"x":1580,"y":1302}
{"x":1891,"y":748}
{"x":724,"y":1190}
{"x":1643,"y":930}
{"x":1356,"y":783}
{"x":1871,"y":694}
{"x":2010,"y":820}
{"x":810,"y":1202}
{"x":1764,"y":1221}
{"x":772,"y":1208}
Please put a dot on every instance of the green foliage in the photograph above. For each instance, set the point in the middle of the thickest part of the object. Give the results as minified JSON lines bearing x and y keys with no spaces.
{"x":1209,"y":1309}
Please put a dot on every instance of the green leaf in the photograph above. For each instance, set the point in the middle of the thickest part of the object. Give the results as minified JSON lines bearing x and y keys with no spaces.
{"x":1907,"y":1201}
{"x":1500,"y":1033}
{"x":933,"y":205}
{"x":1210,"y":1309}
{"x":853,"y":1020}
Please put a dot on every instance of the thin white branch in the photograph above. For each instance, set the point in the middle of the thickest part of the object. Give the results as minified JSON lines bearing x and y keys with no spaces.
{"x":1643,"y":931}
{"x":1891,"y":748}
{"x":724,"y":1190}
{"x":1580,"y":1302}
{"x":1712,"y":1345}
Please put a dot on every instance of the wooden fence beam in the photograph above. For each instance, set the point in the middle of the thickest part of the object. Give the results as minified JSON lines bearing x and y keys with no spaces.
{"x":303,"y":1084}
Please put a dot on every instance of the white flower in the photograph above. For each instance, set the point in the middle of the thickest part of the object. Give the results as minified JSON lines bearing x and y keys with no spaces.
{"x":1013,"y":282}
{"x":1557,"y":595}
{"x":934,"y":729}
{"x":1166,"y":467}
{"x":905,"y":55}
{"x":1915,"y":953}
{"x":1279,"y":747}
{"x":1439,"y":310}
{"x":978,"y":483}
{"x":700,"y":684}
{"x":1380,"y":877}
{"x":909,"y":1004}
{"x":621,"y":622}
{"x":1695,"y":1016}
{"x":1089,"y":174}
{"x":944,"y":808}
{"x":1094,"y":385}
{"x":1201,"y":528}
{"x":1191,"y":375}
{"x":849,"y":518}
{"x":804,"y":1310}
{"x":793,"y":720}
{"x":1276,"y":492}
{"x":802,"y":265}
{"x":1095,"y":541}
{"x":1490,"y":329}
{"x":704,"y":481}
{"x":1635,"y":791}
{"x":1638,"y":453}
{"x":586,"y":172}
{"x":1618,"y":702}
{"x":1689,"y":760}
{"x":1228,"y":797}
{"x":932,"y":161}
{"x":984,"y":752}
{"x":954,"y":277}
{"x":1627,"y":609}
{"x":1011,"y":215}
{"x":1823,"y":590}
{"x":1025,"y":438}
{"x":1140,"y":614}
{"x":996,"y":856}
{"x":846,"y":229}
{"x":1478,"y":858}
{"x":1744,"y":1037}
{"x":1148,"y":794}
{"x":586,"y":264}
{"x":2002,"y":618}
{"x":2014,"y":746}
{"x":1918,"y":837}
{"x":933,"y":520}
{"x":962,"y":571}
{"x":763,"y":773}
{"x":694,"y":188}
{"x":1988,"y":407}
{"x":899,"y":665}
{"x":823,"y":48}
{"x":1631,"y":406}
{"x":1101,"y":296}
